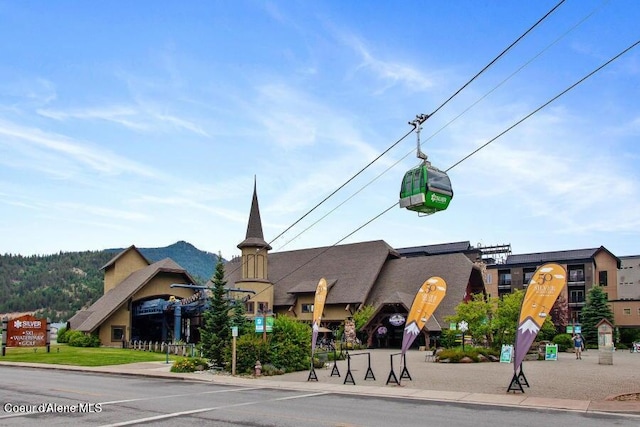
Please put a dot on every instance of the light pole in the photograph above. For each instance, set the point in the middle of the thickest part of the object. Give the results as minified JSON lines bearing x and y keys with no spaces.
{"x":464,"y":327}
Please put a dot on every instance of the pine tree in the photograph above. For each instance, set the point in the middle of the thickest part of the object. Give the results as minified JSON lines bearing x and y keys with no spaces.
{"x":595,"y":309}
{"x":216,"y":333}
{"x":239,"y":319}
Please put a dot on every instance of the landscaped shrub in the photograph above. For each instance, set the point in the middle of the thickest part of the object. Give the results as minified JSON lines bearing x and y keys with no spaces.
{"x":249,"y":349}
{"x":564,"y":341}
{"x":448,"y":338}
{"x":454,"y":355}
{"x":290,"y":344}
{"x":80,"y":339}
{"x":269,"y":369}
{"x":189,"y":364}
{"x":62,"y":336}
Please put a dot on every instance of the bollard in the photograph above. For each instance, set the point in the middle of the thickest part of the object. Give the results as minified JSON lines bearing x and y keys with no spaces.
{"x":257,"y":369}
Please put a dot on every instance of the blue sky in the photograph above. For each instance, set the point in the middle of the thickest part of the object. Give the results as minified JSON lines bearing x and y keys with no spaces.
{"x":145,"y":123}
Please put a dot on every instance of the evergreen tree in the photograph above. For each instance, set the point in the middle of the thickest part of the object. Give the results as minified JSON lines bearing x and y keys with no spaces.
{"x":216,"y":333}
{"x":239,"y":319}
{"x":595,"y":309}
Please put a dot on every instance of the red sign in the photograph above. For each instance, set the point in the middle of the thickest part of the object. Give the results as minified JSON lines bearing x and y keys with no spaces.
{"x":27,"y":331}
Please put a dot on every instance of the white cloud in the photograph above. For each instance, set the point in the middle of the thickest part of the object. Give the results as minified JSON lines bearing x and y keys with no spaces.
{"x":28,"y":92}
{"x":145,"y":118}
{"x":390,"y":73}
{"x":104,"y":212}
{"x":82,"y":154}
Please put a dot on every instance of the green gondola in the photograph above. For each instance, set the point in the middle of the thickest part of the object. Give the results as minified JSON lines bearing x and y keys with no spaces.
{"x":425,"y":189}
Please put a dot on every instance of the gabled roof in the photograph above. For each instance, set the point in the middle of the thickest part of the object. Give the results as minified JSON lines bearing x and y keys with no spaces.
{"x":353,"y":268}
{"x":254,"y":237}
{"x":120,"y":254}
{"x":88,"y":320}
{"x":442,"y":248}
{"x":401,"y":278}
{"x":309,"y":286}
{"x":568,"y":256}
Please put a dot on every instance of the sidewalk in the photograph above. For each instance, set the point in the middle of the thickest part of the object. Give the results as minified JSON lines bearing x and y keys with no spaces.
{"x":566,"y":384}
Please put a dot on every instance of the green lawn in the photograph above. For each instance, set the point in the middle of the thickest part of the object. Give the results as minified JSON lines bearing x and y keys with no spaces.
{"x":81,"y":356}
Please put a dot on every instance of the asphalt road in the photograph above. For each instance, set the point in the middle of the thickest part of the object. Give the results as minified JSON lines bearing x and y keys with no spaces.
{"x":75,"y":398}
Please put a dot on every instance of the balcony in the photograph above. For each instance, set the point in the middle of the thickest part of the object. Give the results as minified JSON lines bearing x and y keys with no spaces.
{"x":504,"y":285}
{"x":575,"y":278}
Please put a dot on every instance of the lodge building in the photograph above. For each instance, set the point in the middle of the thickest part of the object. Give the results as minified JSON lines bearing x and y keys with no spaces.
{"x":159,"y":301}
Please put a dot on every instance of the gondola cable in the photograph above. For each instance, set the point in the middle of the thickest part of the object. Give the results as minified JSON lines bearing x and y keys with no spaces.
{"x":423,"y":117}
{"x":580,"y":81}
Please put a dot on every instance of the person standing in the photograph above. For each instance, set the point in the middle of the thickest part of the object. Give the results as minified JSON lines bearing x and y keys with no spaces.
{"x":578,"y":345}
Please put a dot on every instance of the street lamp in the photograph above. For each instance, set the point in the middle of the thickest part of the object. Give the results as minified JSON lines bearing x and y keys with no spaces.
{"x":464,"y":327}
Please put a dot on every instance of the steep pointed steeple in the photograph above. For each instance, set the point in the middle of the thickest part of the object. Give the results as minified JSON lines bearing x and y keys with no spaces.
{"x":254,"y":237}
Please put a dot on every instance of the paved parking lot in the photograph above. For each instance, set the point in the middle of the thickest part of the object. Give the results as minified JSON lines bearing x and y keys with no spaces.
{"x":565,"y":378}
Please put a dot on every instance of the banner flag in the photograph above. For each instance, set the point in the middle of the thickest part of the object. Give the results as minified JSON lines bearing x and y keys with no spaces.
{"x":424,"y":304}
{"x":543,"y":290}
{"x":318,"y":307}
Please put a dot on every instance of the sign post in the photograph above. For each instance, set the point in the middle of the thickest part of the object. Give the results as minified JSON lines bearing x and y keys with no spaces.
{"x":464,"y":327}
{"x":234,"y":334}
{"x":25,"y":331}
{"x":5,"y":320}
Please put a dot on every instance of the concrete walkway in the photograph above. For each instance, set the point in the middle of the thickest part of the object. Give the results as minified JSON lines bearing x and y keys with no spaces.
{"x":566,"y":384}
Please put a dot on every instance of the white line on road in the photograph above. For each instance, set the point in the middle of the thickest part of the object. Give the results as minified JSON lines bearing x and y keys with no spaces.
{"x":139,"y":399}
{"x":213,"y":408}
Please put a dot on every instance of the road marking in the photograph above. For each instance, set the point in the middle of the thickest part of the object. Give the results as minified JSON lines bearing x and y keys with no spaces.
{"x":114,"y":402}
{"x":139,"y":399}
{"x":213,"y":408}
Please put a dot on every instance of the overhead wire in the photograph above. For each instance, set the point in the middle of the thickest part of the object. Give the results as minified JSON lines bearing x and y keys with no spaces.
{"x":480,"y":99}
{"x":545,"y":16}
{"x":485,"y":68}
{"x":574,"y":85}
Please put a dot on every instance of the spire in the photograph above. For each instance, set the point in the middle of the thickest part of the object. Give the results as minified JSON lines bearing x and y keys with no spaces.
{"x":254,"y":237}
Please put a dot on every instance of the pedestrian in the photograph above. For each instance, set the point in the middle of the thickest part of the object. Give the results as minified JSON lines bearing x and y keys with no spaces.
{"x":578,"y":345}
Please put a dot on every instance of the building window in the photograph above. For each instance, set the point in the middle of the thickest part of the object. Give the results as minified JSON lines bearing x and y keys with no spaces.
{"x":117,"y":333}
{"x":504,"y":277}
{"x":527,"y":276}
{"x":307,"y":308}
{"x":626,"y":311}
{"x":639,"y":312}
{"x":602,"y":278}
{"x":250,"y":307}
{"x":263,"y":307}
{"x":576,"y":296}
{"x":576,"y":273}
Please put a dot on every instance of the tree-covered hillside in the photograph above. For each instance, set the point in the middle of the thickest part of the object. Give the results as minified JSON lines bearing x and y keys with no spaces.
{"x":199,"y":264}
{"x":57,"y":286}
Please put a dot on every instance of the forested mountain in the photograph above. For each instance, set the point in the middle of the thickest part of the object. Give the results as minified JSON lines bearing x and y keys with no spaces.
{"x":199,"y":264}
{"x":56,"y":286}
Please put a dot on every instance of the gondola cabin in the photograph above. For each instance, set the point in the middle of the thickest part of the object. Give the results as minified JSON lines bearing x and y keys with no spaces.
{"x":425,"y":189}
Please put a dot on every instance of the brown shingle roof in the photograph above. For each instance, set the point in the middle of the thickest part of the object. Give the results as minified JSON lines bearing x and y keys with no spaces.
{"x":353,"y":268}
{"x":88,"y":320}
{"x":254,"y":237}
{"x":401,"y":278}
{"x":309,"y":286}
